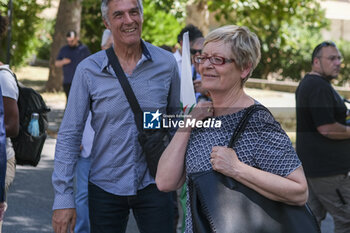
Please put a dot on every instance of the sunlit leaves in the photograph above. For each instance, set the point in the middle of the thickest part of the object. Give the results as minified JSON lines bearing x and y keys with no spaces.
{"x":288,"y":30}
{"x":26,"y":24}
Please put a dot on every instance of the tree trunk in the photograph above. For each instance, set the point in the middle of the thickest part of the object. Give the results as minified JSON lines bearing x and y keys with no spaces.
{"x":198,"y":15}
{"x":68,"y":18}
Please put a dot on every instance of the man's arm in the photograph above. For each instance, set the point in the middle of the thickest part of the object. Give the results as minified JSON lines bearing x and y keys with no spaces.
{"x":335,"y":131}
{"x":67,"y":152}
{"x":11,"y":117}
{"x":61,"y":63}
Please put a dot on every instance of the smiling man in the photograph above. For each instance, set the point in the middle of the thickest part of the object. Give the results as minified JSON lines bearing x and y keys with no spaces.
{"x":119,"y":179}
{"x":323,"y":138}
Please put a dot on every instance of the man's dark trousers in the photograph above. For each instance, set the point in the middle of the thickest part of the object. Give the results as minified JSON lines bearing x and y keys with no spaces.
{"x":152,"y":209}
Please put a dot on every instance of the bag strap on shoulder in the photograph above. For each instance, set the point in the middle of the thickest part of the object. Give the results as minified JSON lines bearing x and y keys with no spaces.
{"x":244,"y":120}
{"x":129,"y":93}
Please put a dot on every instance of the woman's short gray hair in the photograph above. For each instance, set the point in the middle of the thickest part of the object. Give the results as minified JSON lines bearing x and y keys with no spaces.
{"x":104,"y":9}
{"x":245,"y":45}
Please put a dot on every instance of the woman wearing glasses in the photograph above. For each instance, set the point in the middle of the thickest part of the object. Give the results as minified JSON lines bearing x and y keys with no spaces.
{"x":263,"y":158}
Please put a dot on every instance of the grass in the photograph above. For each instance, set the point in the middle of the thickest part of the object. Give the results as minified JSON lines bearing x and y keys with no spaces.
{"x":36,"y":78}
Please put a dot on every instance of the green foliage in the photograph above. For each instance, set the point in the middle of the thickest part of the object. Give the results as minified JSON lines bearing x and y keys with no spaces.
{"x":92,"y":26}
{"x":287,"y":30}
{"x":159,"y":27}
{"x":47,"y":29}
{"x":344,"y":48}
{"x":176,"y":8}
{"x":26,"y":25}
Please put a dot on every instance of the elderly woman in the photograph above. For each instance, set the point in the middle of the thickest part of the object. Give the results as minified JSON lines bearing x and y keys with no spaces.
{"x":264,"y":160}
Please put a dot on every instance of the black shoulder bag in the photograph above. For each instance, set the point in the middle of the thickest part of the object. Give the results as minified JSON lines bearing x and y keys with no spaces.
{"x":221,"y":204}
{"x":153,"y":142}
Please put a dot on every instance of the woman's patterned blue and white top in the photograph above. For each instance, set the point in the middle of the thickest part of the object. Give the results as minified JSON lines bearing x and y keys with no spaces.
{"x":263,"y":145}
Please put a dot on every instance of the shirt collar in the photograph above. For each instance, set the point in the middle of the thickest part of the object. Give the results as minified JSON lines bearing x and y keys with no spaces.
{"x":146,"y":56}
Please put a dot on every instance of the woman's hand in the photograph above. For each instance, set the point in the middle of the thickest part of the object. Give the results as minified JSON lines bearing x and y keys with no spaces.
{"x":203,"y":109}
{"x":291,"y":189}
{"x":225,"y":161}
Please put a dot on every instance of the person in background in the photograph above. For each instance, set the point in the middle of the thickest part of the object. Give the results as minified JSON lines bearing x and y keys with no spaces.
{"x":270,"y":165}
{"x":81,"y":179}
{"x":10,"y":94}
{"x":174,"y":193}
{"x":196,"y":50}
{"x":193,"y":34}
{"x":196,"y":41}
{"x":3,"y":157}
{"x":323,"y":138}
{"x":69,"y":57}
{"x":11,"y":119}
{"x":83,"y":163}
{"x":119,"y":178}
{"x":107,"y":39}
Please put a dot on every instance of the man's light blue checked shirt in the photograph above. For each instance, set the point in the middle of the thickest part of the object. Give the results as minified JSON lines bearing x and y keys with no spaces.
{"x":118,"y":165}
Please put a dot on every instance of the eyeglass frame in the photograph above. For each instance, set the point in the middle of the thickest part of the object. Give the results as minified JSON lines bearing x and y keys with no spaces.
{"x":205,"y":57}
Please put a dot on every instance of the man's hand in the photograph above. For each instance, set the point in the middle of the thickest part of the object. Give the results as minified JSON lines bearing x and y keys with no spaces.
{"x":3,"y":208}
{"x":62,"y":219}
{"x":198,"y":87}
{"x":64,"y":61}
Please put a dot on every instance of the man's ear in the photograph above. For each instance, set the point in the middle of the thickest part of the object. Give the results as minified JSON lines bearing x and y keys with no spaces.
{"x":106,"y":24}
{"x":317,"y":61}
{"x":246,"y":71}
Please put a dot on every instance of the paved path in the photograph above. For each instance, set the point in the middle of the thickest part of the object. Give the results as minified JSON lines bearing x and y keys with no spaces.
{"x":31,"y":195}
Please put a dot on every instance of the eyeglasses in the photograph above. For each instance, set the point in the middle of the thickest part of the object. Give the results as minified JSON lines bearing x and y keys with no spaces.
{"x":194,"y":51}
{"x":215,"y":60}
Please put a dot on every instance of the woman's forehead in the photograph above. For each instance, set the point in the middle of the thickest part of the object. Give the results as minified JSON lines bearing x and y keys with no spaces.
{"x":217,"y":46}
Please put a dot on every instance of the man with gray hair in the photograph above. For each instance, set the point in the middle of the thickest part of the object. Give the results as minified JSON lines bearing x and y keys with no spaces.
{"x":119,"y":179}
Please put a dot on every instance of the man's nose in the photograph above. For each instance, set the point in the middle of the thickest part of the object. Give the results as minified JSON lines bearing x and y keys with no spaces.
{"x":128,"y":18}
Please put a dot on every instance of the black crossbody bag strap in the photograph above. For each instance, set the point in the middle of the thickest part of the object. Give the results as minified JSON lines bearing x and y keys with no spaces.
{"x":129,"y":93}
{"x":243,"y":122}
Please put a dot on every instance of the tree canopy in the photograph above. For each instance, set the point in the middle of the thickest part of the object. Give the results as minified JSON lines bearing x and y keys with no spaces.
{"x":160,"y":27}
{"x":288,"y":31}
{"x":27,"y":26}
